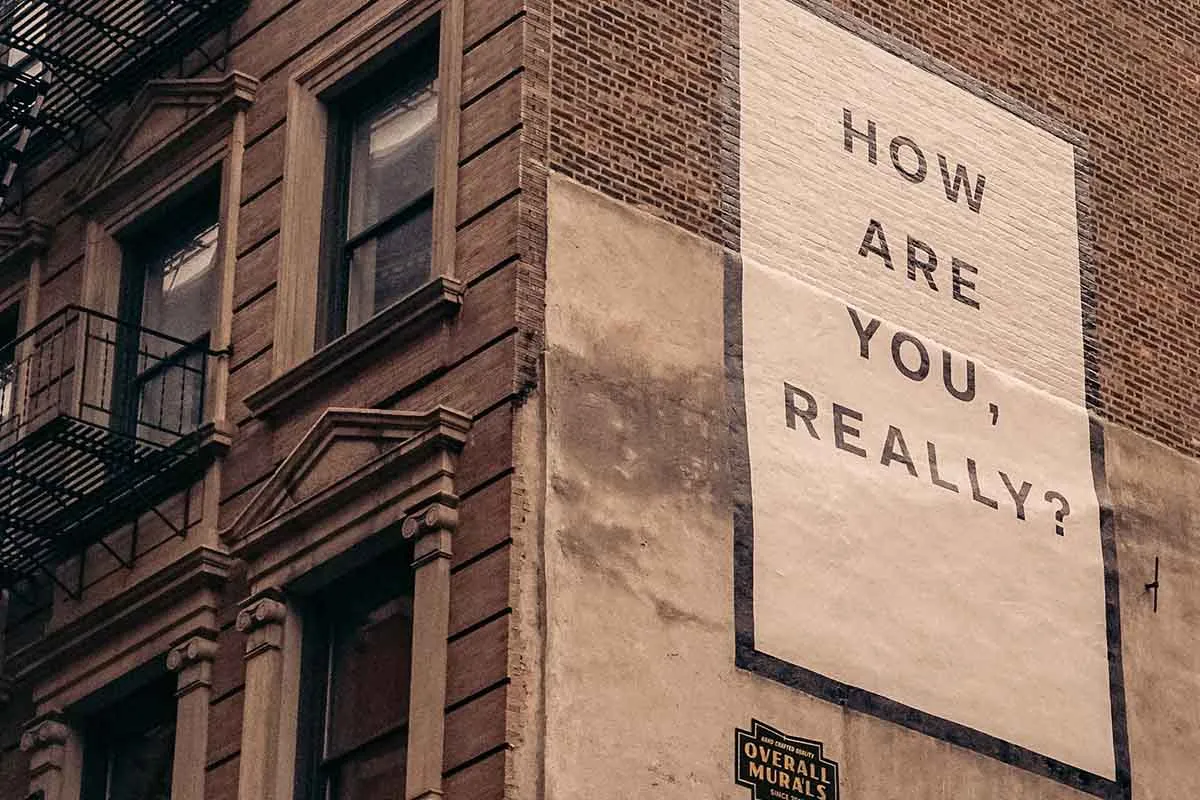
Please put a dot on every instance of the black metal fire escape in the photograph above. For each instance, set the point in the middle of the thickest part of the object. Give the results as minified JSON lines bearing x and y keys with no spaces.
{"x":64,"y":64}
{"x":100,"y":420}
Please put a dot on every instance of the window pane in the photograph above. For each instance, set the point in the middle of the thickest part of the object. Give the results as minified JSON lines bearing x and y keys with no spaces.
{"x":386,"y":268}
{"x":392,"y":154}
{"x":179,"y":294}
{"x":375,"y":773}
{"x":9,"y":325}
{"x":180,"y":288}
{"x":140,"y":767}
{"x":129,"y":748}
{"x":370,"y":675}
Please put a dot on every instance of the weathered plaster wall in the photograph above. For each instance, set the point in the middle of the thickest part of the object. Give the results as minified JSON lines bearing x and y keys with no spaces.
{"x":1157,"y":514}
{"x":641,"y":691}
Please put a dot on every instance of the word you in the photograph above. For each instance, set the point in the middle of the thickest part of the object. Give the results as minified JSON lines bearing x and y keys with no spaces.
{"x":918,"y":369}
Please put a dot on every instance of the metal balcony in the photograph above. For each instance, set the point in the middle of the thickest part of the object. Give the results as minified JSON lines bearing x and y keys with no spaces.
{"x":100,"y":420}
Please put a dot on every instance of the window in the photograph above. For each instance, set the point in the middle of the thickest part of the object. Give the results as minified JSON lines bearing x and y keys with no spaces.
{"x":169,"y":293}
{"x":129,"y":747}
{"x":355,"y":685}
{"x":10,"y":322}
{"x":379,"y":230}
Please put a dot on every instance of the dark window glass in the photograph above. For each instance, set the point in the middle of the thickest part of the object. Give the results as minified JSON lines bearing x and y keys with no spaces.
{"x":382,"y":174}
{"x":129,"y":748}
{"x":358,"y":639}
{"x":170,"y":293}
{"x":10,"y":323}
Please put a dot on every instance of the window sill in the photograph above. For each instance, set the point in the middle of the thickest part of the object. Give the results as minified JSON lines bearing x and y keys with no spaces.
{"x":440,"y":298}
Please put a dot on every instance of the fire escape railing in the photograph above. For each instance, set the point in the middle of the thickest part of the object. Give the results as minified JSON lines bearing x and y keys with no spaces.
{"x":100,"y":420}
{"x":65,"y":63}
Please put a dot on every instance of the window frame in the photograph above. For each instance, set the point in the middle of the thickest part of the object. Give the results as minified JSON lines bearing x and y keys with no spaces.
{"x":298,"y":535}
{"x":346,"y":108}
{"x":320,"y":612}
{"x":343,"y":62}
{"x":129,"y":379}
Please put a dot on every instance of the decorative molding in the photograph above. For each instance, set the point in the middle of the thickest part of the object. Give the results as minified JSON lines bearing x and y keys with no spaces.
{"x":207,"y":104}
{"x":261,"y":620}
{"x":433,"y":529}
{"x":259,"y":613}
{"x":44,"y":732}
{"x":437,"y":300}
{"x":399,"y":442}
{"x":72,"y":649}
{"x":195,"y":650}
{"x":22,"y":241}
{"x":193,"y":662}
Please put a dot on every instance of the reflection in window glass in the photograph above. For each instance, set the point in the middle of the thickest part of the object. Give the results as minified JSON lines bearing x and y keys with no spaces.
{"x":385,"y":177}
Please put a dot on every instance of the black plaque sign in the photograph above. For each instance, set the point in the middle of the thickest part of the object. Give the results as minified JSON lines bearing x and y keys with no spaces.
{"x":775,"y":766}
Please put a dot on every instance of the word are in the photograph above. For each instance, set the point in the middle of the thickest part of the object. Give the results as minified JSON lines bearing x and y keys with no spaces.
{"x":921,"y":258}
{"x":801,"y":408}
{"x":910,"y":162}
{"x":919,"y":369}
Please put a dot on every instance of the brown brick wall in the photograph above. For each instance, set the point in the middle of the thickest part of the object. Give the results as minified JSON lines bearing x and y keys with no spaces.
{"x":635,"y":114}
{"x":636,"y":104}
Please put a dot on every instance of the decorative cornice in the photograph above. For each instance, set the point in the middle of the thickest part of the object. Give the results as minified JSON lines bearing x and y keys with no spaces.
{"x":201,"y":568}
{"x":414,"y":437}
{"x":217,"y":100}
{"x":22,"y":241}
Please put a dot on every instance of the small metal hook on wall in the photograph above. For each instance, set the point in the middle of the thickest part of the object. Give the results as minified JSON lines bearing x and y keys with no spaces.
{"x":1153,"y":586}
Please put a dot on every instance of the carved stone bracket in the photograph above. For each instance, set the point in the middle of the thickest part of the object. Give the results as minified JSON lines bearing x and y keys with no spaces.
{"x":261,"y":619}
{"x":432,"y":528}
{"x":46,"y":731}
{"x":193,"y":661}
{"x":46,"y":740}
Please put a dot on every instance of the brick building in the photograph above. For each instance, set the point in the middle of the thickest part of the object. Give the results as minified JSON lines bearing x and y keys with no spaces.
{"x":514,"y":399}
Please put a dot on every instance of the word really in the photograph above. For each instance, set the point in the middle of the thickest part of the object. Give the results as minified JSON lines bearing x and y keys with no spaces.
{"x":800,"y":409}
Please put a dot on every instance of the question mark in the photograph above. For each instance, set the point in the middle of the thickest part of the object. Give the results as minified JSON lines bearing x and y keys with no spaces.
{"x":1062,"y":512}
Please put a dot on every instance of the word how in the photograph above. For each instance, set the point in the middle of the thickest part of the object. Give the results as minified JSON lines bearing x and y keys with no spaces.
{"x":910,"y":162}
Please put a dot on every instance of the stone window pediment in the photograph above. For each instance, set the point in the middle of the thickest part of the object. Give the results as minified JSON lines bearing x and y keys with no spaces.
{"x":166,"y":120}
{"x":354,"y":473}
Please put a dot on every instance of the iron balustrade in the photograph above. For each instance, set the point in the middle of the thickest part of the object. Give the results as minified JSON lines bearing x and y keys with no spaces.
{"x":99,"y":420}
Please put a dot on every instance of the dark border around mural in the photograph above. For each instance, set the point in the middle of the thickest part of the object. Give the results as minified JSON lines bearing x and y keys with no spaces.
{"x":845,"y":695}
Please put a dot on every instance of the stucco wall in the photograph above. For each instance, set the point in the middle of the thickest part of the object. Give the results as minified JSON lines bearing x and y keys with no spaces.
{"x":641,"y":691}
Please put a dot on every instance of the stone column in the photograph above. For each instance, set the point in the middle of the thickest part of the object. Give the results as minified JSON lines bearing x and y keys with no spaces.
{"x":432,"y":531}
{"x":262,"y":620}
{"x":55,"y":762}
{"x":193,"y":662}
